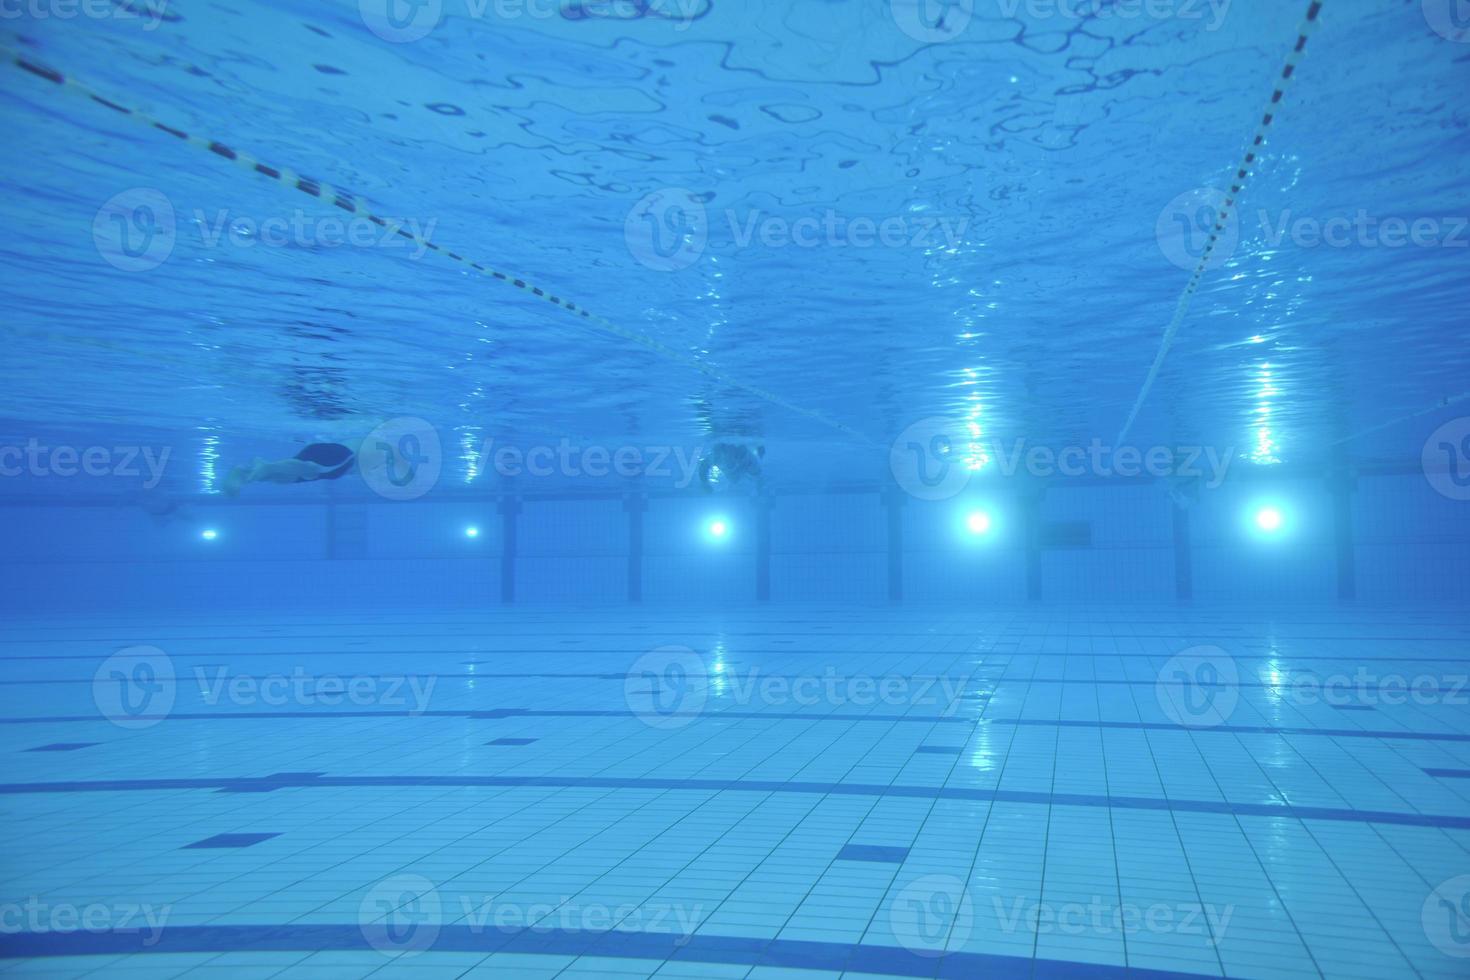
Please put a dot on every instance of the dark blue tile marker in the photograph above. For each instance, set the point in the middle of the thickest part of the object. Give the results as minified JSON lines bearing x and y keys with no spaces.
{"x":940,"y":749}
{"x":874,"y":853}
{"x":1353,"y":707}
{"x":228,"y":840}
{"x":511,"y":741}
{"x":63,"y":746}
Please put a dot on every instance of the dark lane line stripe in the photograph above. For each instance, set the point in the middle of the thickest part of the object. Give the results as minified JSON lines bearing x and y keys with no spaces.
{"x":492,"y":714}
{"x":670,"y":946}
{"x":591,"y":651}
{"x":1235,"y":729}
{"x":1461,"y":686}
{"x":498,"y":714}
{"x":1449,"y":773}
{"x":268,"y":784}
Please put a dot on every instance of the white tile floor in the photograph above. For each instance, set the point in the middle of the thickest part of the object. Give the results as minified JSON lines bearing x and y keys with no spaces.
{"x":1031,"y":792}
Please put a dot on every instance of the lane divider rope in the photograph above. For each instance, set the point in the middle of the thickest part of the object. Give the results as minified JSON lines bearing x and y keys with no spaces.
{"x":1442,"y":403}
{"x":1242,"y":174}
{"x":325,"y":192}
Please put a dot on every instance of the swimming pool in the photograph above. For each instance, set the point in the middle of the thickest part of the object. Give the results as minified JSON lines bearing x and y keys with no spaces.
{"x":677,"y":488}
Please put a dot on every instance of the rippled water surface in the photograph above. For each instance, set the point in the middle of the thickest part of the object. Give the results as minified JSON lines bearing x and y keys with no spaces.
{"x":870,"y":217}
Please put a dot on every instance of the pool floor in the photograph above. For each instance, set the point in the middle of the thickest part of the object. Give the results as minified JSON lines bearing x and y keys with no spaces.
{"x":1031,"y":791}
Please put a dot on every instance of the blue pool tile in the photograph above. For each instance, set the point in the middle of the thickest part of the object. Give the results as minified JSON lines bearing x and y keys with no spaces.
{"x":229,"y":840}
{"x":873,"y":852}
{"x":370,"y":795}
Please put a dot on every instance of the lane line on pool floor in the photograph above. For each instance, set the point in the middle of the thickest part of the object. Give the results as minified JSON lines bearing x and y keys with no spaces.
{"x":503,"y":714}
{"x":670,"y":946}
{"x":285,"y":781}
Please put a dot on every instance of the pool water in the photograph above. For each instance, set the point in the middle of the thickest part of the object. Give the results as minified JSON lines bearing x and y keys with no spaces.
{"x":885,"y":488}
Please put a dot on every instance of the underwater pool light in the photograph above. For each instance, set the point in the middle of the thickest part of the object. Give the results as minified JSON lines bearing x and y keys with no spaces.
{"x":472,"y":532}
{"x":717,"y":529}
{"x":1268,"y":519}
{"x":209,"y":534}
{"x":978,"y":522}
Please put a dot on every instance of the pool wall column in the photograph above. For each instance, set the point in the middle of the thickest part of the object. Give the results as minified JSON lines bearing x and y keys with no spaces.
{"x":636,"y":504}
{"x":893,"y":501}
{"x":1342,"y":484}
{"x":1030,"y":506}
{"x":763,"y":506}
{"x":510,"y":510}
{"x":1183,"y":556}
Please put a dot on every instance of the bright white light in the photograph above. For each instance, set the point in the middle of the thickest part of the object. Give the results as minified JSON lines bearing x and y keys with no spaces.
{"x":209,"y":534}
{"x":978,"y":522}
{"x":718,"y":528}
{"x":1268,"y":519}
{"x":472,"y":532}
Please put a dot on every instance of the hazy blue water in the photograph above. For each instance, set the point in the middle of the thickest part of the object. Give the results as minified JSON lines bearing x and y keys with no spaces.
{"x":1040,"y":157}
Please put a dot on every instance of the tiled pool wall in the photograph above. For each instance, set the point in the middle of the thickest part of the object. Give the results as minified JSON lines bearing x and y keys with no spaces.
{"x":1392,"y":538}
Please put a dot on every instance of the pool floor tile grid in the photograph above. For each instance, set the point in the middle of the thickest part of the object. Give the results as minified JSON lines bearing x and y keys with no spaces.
{"x":556,"y":792}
